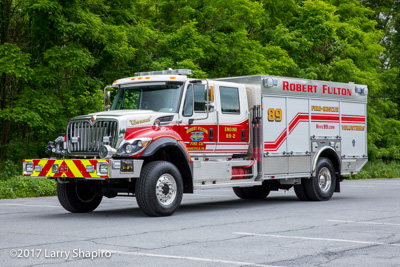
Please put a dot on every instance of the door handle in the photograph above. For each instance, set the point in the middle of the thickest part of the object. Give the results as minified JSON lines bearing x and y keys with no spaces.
{"x":211,"y":135}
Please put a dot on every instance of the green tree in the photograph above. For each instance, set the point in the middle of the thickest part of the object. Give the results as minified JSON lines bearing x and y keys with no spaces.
{"x":57,"y":55}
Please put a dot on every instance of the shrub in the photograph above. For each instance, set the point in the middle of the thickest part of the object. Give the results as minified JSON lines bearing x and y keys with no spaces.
{"x":9,"y":169}
{"x":379,"y":169}
{"x":19,"y":187}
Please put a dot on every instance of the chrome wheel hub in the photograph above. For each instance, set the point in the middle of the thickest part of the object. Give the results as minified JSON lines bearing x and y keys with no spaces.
{"x":166,"y":189}
{"x":324,"y":179}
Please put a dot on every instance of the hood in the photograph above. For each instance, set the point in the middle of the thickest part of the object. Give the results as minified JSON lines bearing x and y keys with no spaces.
{"x":129,"y":118}
{"x":123,"y":114}
{"x":110,"y":128}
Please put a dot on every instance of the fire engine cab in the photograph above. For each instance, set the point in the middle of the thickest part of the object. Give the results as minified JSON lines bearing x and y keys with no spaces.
{"x":165,"y":134}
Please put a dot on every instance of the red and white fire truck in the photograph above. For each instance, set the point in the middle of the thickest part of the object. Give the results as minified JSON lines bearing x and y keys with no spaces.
{"x":166,"y":134}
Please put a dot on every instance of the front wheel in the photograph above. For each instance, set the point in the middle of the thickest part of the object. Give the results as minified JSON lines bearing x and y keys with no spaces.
{"x":322,"y":185}
{"x":159,"y":189}
{"x":79,"y":197}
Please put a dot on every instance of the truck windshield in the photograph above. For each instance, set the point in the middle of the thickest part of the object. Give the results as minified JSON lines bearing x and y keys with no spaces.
{"x":160,"y":96}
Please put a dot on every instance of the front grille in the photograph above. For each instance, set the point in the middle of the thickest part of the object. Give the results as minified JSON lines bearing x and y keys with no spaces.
{"x":81,"y":137}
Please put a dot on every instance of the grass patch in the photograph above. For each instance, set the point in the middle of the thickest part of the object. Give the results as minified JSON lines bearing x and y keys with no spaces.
{"x":378,"y":169}
{"x":19,"y":187}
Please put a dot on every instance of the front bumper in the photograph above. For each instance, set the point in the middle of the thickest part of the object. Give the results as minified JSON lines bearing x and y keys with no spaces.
{"x":82,"y":168}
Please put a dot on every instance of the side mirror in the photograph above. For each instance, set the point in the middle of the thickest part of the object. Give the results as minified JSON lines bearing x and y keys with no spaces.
{"x":108,"y":103}
{"x":107,"y":100}
{"x":210,"y":99}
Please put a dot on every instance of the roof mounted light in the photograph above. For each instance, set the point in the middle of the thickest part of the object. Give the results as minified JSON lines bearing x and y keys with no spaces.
{"x":269,"y":82}
{"x":361,"y":90}
{"x":165,"y":72}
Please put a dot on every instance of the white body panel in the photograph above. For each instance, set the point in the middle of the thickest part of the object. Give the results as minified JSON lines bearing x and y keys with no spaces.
{"x":308,"y":116}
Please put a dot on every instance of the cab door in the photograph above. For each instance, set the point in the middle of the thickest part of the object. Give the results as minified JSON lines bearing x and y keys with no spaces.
{"x":198,"y":128}
{"x":233,"y":118}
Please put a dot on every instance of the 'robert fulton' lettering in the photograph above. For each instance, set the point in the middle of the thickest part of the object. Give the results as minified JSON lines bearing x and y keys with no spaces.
{"x":308,"y":88}
{"x":335,"y":91}
{"x":299,"y":87}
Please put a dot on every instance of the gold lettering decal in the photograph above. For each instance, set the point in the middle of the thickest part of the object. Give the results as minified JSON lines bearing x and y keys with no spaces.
{"x":353,"y":128}
{"x":230,"y":129}
{"x":134,"y":122}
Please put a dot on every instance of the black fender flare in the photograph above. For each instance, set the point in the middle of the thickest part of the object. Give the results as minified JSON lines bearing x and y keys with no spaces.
{"x":168,"y":141}
{"x":163,"y":142}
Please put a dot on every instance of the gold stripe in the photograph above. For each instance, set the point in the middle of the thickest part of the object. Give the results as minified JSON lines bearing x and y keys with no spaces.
{"x":71,"y":165}
{"x":41,"y":162}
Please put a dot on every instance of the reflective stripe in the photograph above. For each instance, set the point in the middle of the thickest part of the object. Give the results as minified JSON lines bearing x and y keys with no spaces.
{"x":66,"y":168}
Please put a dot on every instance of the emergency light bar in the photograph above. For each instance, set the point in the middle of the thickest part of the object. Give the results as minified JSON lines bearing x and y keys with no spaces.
{"x":165,"y":72}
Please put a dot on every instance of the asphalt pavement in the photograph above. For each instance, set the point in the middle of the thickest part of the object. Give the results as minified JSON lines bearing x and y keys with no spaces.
{"x":358,"y":227}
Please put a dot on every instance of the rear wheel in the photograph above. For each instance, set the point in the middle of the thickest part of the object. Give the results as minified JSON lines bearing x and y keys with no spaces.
{"x":322,"y":185}
{"x":159,"y":189}
{"x":301,"y":191}
{"x":79,"y":197}
{"x":256,"y":192}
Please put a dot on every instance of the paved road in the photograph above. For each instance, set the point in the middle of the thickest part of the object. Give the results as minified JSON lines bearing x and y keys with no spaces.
{"x":358,"y":227}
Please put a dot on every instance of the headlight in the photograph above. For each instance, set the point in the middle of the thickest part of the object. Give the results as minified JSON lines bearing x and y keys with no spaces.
{"x":106,"y":151}
{"x":28,"y":167}
{"x":133,"y":147}
{"x":129,"y":149}
{"x":102,"y":169}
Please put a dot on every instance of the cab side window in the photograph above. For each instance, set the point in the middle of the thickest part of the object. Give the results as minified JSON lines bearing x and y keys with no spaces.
{"x":200,"y":96}
{"x":229,"y":100}
{"x":188,"y":105}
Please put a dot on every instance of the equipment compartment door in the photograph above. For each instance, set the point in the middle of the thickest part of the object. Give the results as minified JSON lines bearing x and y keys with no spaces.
{"x":275,"y":135}
{"x":298,"y":128}
{"x":353,"y":129}
{"x":274,"y":125}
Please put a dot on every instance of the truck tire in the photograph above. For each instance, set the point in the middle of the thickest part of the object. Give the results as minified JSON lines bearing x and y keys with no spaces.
{"x":78,"y":197}
{"x":255,"y":192}
{"x":301,"y":191}
{"x":159,"y":189}
{"x":322,"y":186}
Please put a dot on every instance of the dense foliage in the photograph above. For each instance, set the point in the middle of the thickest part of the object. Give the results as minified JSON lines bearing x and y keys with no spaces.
{"x":57,"y":55}
{"x":19,"y":187}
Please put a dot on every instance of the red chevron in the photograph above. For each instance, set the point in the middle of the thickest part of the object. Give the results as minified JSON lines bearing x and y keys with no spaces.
{"x":315,"y":117}
{"x":300,"y":117}
{"x":274,"y":146}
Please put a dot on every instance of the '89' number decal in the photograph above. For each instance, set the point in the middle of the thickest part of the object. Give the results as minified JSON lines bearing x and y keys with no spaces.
{"x":275,"y":114}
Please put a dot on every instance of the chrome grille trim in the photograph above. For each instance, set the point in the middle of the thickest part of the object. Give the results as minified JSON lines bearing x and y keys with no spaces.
{"x":90,"y":138}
